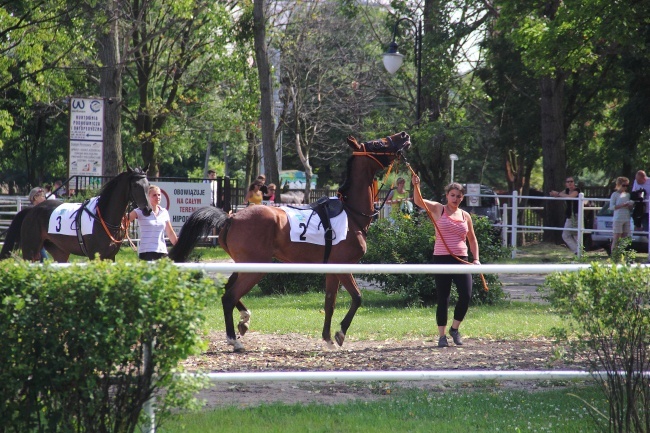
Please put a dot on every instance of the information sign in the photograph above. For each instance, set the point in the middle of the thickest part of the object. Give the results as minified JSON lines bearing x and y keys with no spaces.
{"x":86,"y":137}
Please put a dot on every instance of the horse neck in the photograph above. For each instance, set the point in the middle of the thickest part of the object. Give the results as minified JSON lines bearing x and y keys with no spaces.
{"x":113,"y":206}
{"x":359,"y":195}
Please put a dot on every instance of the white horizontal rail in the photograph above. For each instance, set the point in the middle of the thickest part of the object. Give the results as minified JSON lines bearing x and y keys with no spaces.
{"x":372,"y":268}
{"x":375,"y":376}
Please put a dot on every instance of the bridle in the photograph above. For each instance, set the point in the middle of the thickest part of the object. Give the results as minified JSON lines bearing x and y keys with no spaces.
{"x":108,"y":227}
{"x":373,"y":154}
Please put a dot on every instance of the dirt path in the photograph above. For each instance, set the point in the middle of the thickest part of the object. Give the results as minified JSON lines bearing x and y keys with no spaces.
{"x":295,"y":352}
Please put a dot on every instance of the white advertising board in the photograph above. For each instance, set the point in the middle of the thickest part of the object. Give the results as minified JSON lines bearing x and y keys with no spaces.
{"x":181,"y":199}
{"x":86,"y":137}
{"x":473,"y":190}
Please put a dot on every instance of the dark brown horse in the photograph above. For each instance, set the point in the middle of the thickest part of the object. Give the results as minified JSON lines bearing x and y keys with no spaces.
{"x":257,"y":234}
{"x":29,"y":228}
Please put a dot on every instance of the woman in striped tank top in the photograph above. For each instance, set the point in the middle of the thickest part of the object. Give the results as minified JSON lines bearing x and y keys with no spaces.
{"x":454,"y":230}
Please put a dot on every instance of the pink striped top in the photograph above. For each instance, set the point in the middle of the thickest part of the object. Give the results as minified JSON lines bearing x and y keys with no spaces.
{"x":455,"y":235}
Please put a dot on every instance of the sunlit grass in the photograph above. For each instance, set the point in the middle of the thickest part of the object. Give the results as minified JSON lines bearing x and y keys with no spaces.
{"x":410,"y":410}
{"x":384,"y":317}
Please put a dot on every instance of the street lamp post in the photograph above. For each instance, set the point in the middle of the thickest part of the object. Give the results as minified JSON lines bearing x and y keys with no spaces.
{"x":393,"y":59}
{"x":453,"y":157}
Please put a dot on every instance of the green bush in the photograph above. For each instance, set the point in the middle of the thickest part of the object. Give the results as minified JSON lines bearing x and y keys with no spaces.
{"x":74,"y":341}
{"x":608,"y":308}
{"x":410,"y":240}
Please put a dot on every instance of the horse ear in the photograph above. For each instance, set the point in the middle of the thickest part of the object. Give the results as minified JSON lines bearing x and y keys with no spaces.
{"x":146,"y":168}
{"x":353,"y":143}
{"x":128,"y":168}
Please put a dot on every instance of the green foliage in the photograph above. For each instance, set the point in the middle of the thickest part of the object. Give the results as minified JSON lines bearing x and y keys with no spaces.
{"x":74,"y":342}
{"x":283,"y":284}
{"x":410,"y":240}
{"x":624,"y":253}
{"x":610,"y":307}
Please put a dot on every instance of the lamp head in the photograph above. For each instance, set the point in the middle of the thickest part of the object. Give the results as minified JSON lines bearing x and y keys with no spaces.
{"x":392,"y":58}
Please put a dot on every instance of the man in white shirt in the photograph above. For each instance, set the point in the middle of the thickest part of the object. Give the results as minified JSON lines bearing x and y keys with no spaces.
{"x":212,"y":180}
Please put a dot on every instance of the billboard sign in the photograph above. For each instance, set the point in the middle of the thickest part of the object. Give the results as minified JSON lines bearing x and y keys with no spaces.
{"x":86,"y":137}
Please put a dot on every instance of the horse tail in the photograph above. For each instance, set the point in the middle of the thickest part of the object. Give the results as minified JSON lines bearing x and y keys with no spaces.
{"x":12,"y":238}
{"x":199,"y":225}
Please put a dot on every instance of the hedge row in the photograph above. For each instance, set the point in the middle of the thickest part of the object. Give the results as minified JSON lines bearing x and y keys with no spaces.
{"x":73,"y":342}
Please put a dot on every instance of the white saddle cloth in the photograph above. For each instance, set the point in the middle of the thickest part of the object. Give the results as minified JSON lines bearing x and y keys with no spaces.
{"x":314,"y":232}
{"x":62,"y":220}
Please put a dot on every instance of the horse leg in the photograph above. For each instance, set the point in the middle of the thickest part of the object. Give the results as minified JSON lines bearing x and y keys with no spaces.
{"x":331,"y":290}
{"x":59,"y":255}
{"x":245,"y":318}
{"x":236,"y":287}
{"x":350,"y":285}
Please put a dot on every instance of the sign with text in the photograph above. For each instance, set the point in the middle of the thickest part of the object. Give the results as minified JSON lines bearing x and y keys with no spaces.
{"x":86,"y":136}
{"x":473,"y":190}
{"x":181,"y":199}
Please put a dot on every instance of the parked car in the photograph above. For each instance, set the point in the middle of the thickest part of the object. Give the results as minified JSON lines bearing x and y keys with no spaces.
{"x":488,"y":206}
{"x":604,"y":220}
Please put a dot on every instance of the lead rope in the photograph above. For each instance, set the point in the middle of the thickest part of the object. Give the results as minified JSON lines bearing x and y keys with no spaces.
{"x":124,"y":226}
{"x":416,"y":190}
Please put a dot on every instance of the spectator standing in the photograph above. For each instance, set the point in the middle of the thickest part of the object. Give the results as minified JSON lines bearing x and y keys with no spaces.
{"x":254,"y":195}
{"x":454,"y":225}
{"x":620,"y":202}
{"x":569,"y":236}
{"x":212,"y":180}
{"x":37,"y":196}
{"x":265,"y":191}
{"x":399,"y":198}
{"x":58,"y":188}
{"x":641,"y":182}
{"x":153,"y":228}
{"x":271,"y":196}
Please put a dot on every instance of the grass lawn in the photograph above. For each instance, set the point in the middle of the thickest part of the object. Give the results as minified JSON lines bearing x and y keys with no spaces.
{"x":383,"y":317}
{"x":487,"y":409}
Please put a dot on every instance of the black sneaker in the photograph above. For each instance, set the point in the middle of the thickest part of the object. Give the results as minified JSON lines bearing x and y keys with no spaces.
{"x":442,"y":341}
{"x":456,"y":336}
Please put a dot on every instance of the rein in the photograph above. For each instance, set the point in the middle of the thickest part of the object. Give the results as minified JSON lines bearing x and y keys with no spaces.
{"x":124,"y":226}
{"x":371,"y":154}
{"x":416,"y":189}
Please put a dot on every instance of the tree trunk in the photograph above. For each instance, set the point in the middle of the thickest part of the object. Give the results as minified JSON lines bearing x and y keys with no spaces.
{"x":110,"y":88}
{"x":553,"y":151}
{"x":266,"y":94}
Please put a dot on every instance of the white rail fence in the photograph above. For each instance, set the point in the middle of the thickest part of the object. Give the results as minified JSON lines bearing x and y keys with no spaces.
{"x":343,"y":376}
{"x":510,"y":228}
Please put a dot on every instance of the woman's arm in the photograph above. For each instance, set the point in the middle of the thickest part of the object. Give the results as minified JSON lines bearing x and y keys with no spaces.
{"x":171,"y":234}
{"x":471,"y":238}
{"x":133,"y":216}
{"x":433,"y":207}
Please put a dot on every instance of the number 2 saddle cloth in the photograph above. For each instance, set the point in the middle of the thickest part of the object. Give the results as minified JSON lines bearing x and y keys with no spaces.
{"x":306,"y":225}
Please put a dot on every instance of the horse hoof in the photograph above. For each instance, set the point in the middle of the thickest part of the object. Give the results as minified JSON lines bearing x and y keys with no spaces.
{"x":242,"y":327}
{"x":238,"y":347}
{"x":329,"y":344}
{"x":339,"y":337}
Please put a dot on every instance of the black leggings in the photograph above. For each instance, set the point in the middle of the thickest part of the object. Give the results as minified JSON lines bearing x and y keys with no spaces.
{"x":443,"y":288}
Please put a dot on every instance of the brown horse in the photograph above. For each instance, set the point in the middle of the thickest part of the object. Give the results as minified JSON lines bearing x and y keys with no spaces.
{"x":257,"y":234}
{"x":29,"y":228}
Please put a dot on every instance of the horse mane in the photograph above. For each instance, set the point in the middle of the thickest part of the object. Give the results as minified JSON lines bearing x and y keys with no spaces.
{"x":108,"y":190}
{"x":343,"y":189}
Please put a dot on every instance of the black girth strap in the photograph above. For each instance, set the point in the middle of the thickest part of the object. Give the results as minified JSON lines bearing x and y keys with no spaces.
{"x":327,"y":208}
{"x":77,"y":222}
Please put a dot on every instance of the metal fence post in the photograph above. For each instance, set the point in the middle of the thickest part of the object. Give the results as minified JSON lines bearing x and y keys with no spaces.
{"x":513,"y":233}
{"x":504,"y":225}
{"x":581,"y":222}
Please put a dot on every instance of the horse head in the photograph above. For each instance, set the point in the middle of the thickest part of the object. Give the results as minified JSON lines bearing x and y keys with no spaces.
{"x":384,"y":150}
{"x":140,"y":189}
